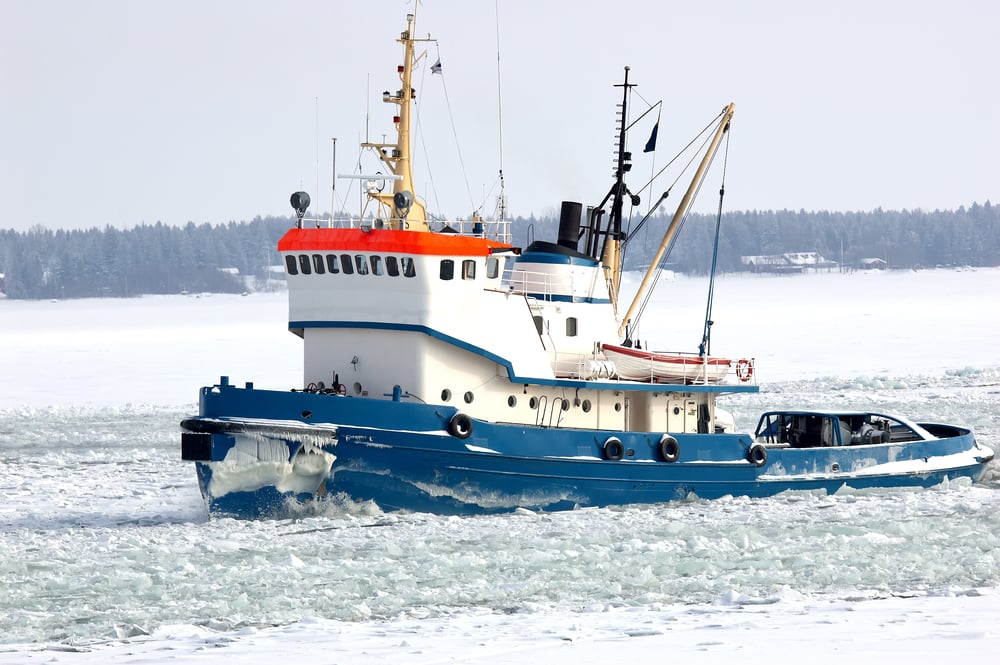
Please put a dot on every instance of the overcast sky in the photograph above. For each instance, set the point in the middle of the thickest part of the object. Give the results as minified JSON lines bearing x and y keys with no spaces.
{"x":131,"y":112}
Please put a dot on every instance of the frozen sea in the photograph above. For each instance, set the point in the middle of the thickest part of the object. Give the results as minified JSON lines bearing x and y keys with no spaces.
{"x":107,"y":554}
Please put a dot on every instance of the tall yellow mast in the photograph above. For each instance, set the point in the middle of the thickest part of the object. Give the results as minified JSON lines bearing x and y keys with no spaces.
{"x":406,"y":211}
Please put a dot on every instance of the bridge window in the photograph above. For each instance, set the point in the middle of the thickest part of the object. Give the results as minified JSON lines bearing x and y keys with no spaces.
{"x":447,"y":269}
{"x":492,"y":267}
{"x":392,"y":266}
{"x":304,"y":264}
{"x":346,"y":265}
{"x":377,"y":265}
{"x":468,"y":269}
{"x":331,"y":264}
{"x":291,"y":266}
{"x":359,"y":260}
{"x":409,"y":268}
{"x":318,"y":266}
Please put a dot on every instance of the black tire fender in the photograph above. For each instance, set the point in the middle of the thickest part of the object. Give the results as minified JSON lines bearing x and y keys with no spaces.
{"x":757,"y":454}
{"x":613,"y":449}
{"x":670,"y":450}
{"x":460,"y":426}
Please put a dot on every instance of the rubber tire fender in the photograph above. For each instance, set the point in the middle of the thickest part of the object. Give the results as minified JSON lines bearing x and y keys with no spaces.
{"x":613,"y":449}
{"x":460,"y":426}
{"x":757,"y":454}
{"x":670,"y":450}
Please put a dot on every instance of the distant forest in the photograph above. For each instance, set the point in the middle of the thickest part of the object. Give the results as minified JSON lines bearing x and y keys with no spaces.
{"x":234,"y":257}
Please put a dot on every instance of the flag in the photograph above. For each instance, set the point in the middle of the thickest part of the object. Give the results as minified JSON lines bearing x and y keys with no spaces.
{"x":436,"y":67}
{"x":651,"y":143}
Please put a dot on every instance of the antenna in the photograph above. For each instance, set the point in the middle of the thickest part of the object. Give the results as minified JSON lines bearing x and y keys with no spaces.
{"x":503,"y":197}
{"x":333,"y":181}
{"x":317,"y":158}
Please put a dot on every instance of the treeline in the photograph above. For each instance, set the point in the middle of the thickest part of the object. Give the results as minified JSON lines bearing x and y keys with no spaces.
{"x":230,"y":258}
{"x":903,"y":239}
{"x":148,"y":259}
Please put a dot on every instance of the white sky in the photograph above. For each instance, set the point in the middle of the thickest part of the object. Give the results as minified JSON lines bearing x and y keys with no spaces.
{"x":119,"y":112}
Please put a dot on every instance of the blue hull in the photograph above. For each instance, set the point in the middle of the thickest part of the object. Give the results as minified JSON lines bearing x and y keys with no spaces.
{"x":259,"y":453}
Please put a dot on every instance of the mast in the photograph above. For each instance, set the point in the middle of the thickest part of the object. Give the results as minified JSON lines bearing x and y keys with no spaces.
{"x":611,"y":251}
{"x":406,"y":211}
{"x":682,"y":209}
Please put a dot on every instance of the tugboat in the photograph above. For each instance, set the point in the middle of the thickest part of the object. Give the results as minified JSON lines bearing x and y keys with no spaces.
{"x":448,"y":371}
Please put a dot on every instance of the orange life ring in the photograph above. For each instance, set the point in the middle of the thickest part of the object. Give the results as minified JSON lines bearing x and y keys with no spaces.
{"x":744,"y":369}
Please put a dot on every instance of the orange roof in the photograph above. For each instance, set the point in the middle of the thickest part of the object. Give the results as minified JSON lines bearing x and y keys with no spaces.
{"x":386,"y":241}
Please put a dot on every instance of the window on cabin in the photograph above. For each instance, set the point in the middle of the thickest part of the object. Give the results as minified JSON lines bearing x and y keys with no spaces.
{"x":571,"y":326}
{"x":304,"y":264}
{"x":447,"y":269}
{"x":377,"y":265}
{"x":468,"y":269}
{"x":362,"y":265}
{"x":346,"y":265}
{"x":318,"y":266}
{"x":331,"y":264}
{"x":492,"y":267}
{"x":291,"y":265}
{"x":408,"y":266}
{"x":392,"y":266}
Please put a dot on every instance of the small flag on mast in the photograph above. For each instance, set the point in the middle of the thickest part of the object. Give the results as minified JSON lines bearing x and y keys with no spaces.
{"x":436,"y":67}
{"x":651,"y":143}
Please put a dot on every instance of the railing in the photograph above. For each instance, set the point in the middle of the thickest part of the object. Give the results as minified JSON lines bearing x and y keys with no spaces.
{"x":498,"y":230}
{"x":541,"y":285}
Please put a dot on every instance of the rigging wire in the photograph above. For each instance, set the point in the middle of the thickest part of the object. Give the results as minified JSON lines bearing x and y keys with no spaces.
{"x":673,"y":240}
{"x":705,"y":348}
{"x":454,"y":130}
{"x":680,"y":174}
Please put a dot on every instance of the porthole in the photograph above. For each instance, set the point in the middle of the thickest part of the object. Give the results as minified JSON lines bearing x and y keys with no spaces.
{"x":357,"y":388}
{"x":533,"y":402}
{"x":511,"y":401}
{"x":585,"y":406}
{"x":618,"y":406}
{"x":445,"y":395}
{"x":468,"y":397}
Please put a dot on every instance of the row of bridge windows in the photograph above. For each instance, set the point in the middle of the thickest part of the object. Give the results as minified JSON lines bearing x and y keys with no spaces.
{"x":349,"y":265}
{"x":363,"y":264}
